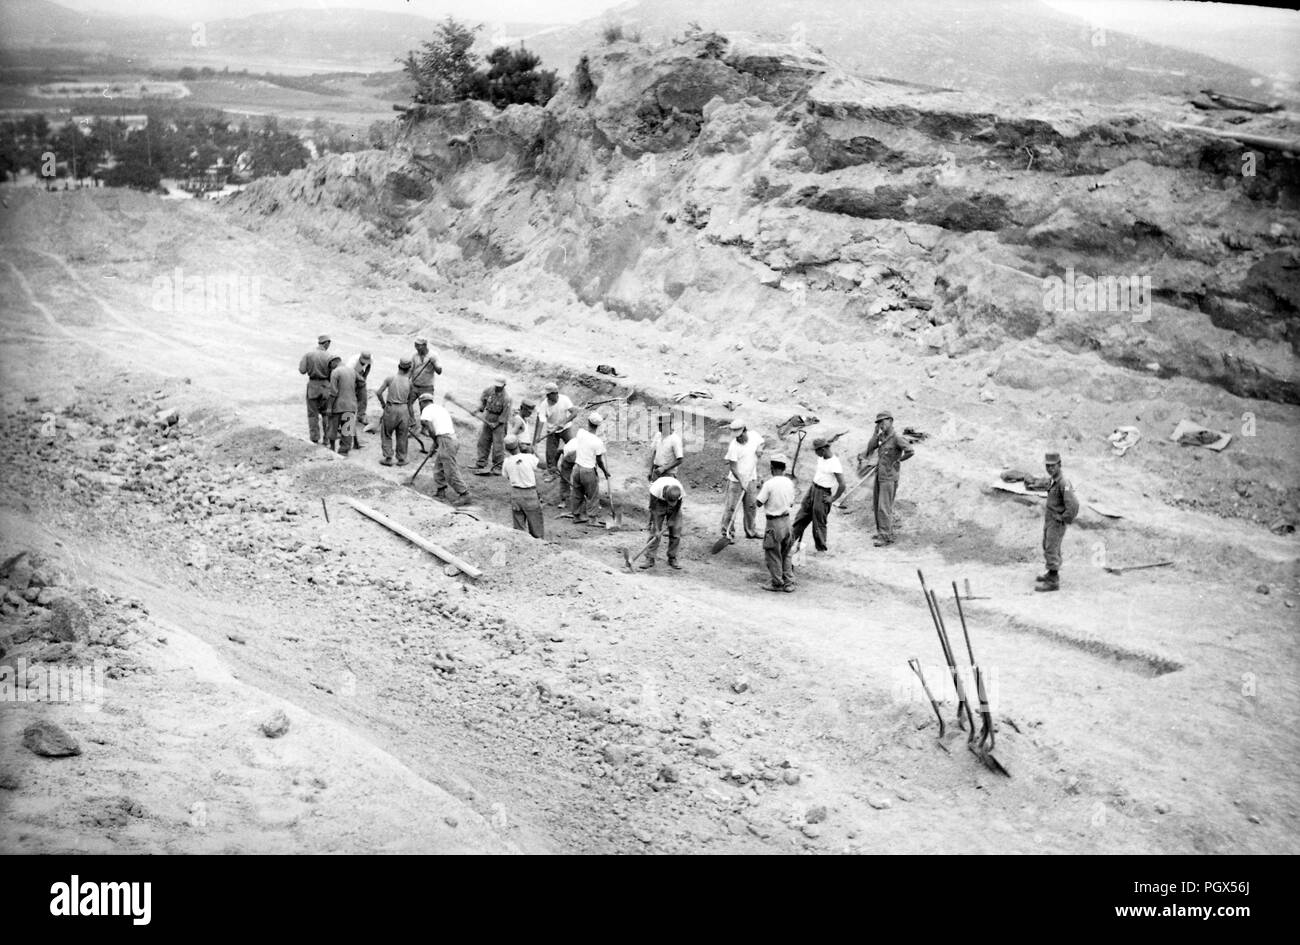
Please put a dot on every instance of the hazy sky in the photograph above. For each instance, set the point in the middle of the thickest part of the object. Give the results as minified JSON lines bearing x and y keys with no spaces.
{"x":534,"y":11}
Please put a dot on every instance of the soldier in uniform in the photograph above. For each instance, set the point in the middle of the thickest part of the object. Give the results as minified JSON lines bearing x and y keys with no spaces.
{"x":894,"y":449}
{"x":316,"y":365}
{"x":395,"y":395}
{"x":343,"y":407}
{"x":361,"y":368}
{"x":1062,"y":509}
{"x":494,"y":412}
{"x":424,"y":371}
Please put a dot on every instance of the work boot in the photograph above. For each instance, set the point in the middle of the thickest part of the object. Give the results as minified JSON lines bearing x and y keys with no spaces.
{"x":481,"y":472}
{"x":440,"y":493}
{"x":356,"y":443}
{"x":1043,"y":578}
{"x":402,"y":462}
{"x":462,"y":499}
{"x":1052,"y":582}
{"x":647,"y":564}
{"x":385,"y":462}
{"x":672,"y":563}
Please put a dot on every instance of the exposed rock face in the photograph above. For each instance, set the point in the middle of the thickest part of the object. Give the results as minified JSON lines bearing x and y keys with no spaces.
{"x":761,"y":190}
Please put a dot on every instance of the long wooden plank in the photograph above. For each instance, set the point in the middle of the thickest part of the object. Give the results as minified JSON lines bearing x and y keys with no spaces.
{"x":436,"y":550}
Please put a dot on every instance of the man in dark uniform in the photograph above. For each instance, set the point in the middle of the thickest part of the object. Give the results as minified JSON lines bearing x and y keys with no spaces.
{"x":1062,"y":509}
{"x":361,"y":367}
{"x":395,"y":395}
{"x":493,"y":411}
{"x":894,"y":449}
{"x":343,"y":407}
{"x":316,"y":365}
{"x":424,"y":371}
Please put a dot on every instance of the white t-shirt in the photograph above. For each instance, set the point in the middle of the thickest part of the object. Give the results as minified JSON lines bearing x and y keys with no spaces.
{"x":438,"y":417}
{"x":587,"y":446}
{"x":663,"y":482}
{"x":668,"y":448}
{"x":520,"y":469}
{"x":745,"y":456}
{"x":826,"y":470}
{"x":777,"y":495}
{"x":556,"y":413}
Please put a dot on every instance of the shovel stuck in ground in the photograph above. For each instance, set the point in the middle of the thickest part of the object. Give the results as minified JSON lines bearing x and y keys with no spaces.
{"x":1140,"y":567}
{"x":983,"y":748}
{"x":629,"y":559}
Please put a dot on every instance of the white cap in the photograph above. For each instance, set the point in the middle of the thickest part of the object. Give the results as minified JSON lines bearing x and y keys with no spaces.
{"x":737,"y":424}
{"x":595,"y":419}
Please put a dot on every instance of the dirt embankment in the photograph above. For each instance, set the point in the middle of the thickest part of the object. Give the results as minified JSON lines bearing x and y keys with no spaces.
{"x":761,"y":192}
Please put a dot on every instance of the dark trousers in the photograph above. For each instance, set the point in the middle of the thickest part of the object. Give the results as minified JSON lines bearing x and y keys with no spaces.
{"x":340,"y":430}
{"x":1053,"y":534}
{"x":814,"y":510}
{"x":446,"y":471}
{"x":526,"y":511}
{"x":492,"y":440}
{"x":397,"y":425}
{"x":777,"y":543}
{"x":746,"y":496}
{"x":554,"y":446}
{"x":584,"y":500}
{"x":883,"y":500}
{"x":664,"y":517}
{"x":317,"y":405}
{"x":566,"y":477}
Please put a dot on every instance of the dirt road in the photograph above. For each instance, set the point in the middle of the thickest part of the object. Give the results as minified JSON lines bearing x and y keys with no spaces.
{"x":558,"y":703}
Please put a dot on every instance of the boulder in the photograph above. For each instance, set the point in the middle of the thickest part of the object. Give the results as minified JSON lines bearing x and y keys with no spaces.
{"x":51,"y":741}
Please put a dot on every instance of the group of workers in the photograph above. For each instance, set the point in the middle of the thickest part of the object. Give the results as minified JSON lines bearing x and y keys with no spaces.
{"x":510,"y":445}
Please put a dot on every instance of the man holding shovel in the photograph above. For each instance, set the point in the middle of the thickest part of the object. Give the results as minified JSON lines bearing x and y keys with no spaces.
{"x":494,"y":412}
{"x":588,"y":457}
{"x":437,"y":422}
{"x":742,"y":481}
{"x":520,"y":470}
{"x":817,"y":501}
{"x":665,"y":515}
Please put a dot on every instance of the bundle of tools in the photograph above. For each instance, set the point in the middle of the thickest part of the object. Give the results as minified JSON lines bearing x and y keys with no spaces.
{"x":983,"y":744}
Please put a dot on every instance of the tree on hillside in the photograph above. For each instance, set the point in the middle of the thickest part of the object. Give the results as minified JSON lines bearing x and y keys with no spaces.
{"x":446,"y":68}
{"x":514,"y":77}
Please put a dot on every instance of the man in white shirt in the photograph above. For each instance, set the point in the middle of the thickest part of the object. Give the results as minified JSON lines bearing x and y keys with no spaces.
{"x":437,"y":423}
{"x":559,"y":412}
{"x":588,"y":457}
{"x":742,"y":481}
{"x":520,"y":470}
{"x":818,"y":500}
{"x":665,"y":515}
{"x":776,"y":499}
{"x":666,"y":450}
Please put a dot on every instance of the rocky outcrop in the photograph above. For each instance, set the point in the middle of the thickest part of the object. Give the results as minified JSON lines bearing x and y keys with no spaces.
{"x":760,"y":190}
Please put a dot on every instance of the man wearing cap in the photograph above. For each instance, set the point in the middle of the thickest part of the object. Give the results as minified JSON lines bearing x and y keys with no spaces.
{"x":742,"y":481}
{"x":316,"y":365}
{"x":361,"y":368}
{"x":395,"y":395}
{"x":493,"y":411}
{"x":776,"y":499}
{"x":559,"y":412}
{"x":526,"y":425}
{"x":894,"y":449}
{"x":520,"y":470}
{"x":1062,"y":509}
{"x":817,"y":501}
{"x":437,"y":423}
{"x":588,"y":456}
{"x":343,"y":407}
{"x":424,"y":371}
{"x":665,"y":516}
{"x":666,"y":450}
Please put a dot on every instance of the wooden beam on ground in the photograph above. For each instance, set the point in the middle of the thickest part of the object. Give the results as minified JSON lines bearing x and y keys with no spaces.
{"x":436,"y":550}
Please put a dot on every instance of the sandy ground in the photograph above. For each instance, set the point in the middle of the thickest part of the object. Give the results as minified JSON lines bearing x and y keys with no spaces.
{"x":592,"y":710}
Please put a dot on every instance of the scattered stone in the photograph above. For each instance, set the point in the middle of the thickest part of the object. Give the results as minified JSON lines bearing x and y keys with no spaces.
{"x":1162,"y":807}
{"x":790,"y":776}
{"x":1072,"y":785}
{"x":707,"y":749}
{"x":614,"y":754}
{"x":235,"y":638}
{"x":669,"y":774}
{"x":48,"y":596}
{"x":1262,"y":589}
{"x":47,"y":739}
{"x":815,"y":814}
{"x":879,"y":802}
{"x":451,"y":822}
{"x":1253,"y":818}
{"x":69,"y":621}
{"x":277,"y":725}
{"x":811,"y":831}
{"x":600,"y":616}
{"x":740,"y":684}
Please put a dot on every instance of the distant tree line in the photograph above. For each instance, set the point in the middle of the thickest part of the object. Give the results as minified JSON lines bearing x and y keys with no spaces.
{"x":173,"y":144}
{"x":446,"y":69}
